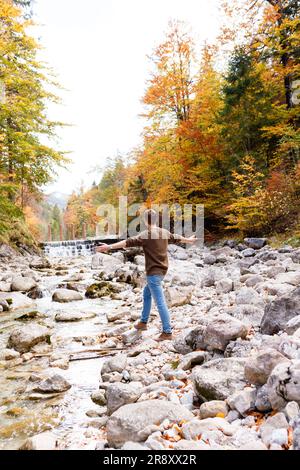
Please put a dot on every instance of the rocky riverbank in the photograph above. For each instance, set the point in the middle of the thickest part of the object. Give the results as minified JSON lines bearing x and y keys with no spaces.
{"x":77,"y":375}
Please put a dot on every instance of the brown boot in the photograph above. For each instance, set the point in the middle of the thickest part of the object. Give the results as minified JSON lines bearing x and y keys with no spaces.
{"x":141,"y":326}
{"x":164,"y":337}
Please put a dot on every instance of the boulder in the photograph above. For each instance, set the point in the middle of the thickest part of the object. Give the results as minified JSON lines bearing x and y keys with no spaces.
{"x":283,"y":384}
{"x":292,"y":278}
{"x":115,"y":364}
{"x":223,"y":286}
{"x":243,"y":401}
{"x":296,"y":433}
{"x":213,"y":408}
{"x":66,"y":295}
{"x":258,"y":368}
{"x":44,"y":441}
{"x":136,"y":421}
{"x":22,"y":284}
{"x":101,"y":289}
{"x":293,"y":325}
{"x":195,"y":428}
{"x":72,"y":316}
{"x":222,"y":330}
{"x":22,"y":339}
{"x":209,"y":259}
{"x":247,"y":295}
{"x":219,"y":378}
{"x":278,"y":312}
{"x":120,"y":394}
{"x":40,"y":263}
{"x":248,"y":252}
{"x":271,"y":424}
{"x":255,"y":243}
{"x":192,"y":359}
{"x":175,"y":297}
{"x":99,"y":397}
{"x":52,"y":384}
{"x":16,"y":300}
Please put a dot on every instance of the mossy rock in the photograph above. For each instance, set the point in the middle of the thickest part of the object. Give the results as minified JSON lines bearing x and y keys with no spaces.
{"x":100,"y":289}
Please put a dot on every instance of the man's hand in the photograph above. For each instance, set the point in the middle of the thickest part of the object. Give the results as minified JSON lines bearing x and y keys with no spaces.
{"x":102,"y":248}
{"x":192,"y":239}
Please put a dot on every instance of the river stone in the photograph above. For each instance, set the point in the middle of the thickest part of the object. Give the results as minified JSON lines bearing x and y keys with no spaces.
{"x":17,"y":300}
{"x":44,"y":441}
{"x":255,"y":243}
{"x":99,"y":397}
{"x":210,"y":409}
{"x":8,"y":354}
{"x":194,"y":428}
{"x":259,"y":367}
{"x":22,"y":339}
{"x":272,"y":423}
{"x":53,"y":384}
{"x":293,"y":325}
{"x":176,"y":297}
{"x":40,"y":263}
{"x":73,"y":316}
{"x":115,"y":364}
{"x":5,"y":286}
{"x":120,"y":394}
{"x":135,"y":422}
{"x":262,"y":402}
{"x":22,"y":284}
{"x":223,"y":286}
{"x":243,"y":401}
{"x":219,"y":378}
{"x":209,"y":259}
{"x":292,"y":278}
{"x":296,"y":433}
{"x":248,"y":252}
{"x":66,"y":295}
{"x":280,"y":311}
{"x":222,"y":330}
{"x":192,"y":359}
{"x":247,"y":295}
{"x":284,"y":384}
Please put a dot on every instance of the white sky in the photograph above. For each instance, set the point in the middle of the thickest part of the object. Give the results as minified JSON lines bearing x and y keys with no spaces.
{"x":98,"y":50}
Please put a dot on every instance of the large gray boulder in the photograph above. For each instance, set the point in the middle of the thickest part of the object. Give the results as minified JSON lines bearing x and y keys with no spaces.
{"x":52,"y":384}
{"x":278,"y":312}
{"x":219,"y":378}
{"x":284,"y":384}
{"x":255,"y":243}
{"x":22,"y":284}
{"x":222,"y":330}
{"x":259,"y":367}
{"x":24,"y":338}
{"x":136,"y":421}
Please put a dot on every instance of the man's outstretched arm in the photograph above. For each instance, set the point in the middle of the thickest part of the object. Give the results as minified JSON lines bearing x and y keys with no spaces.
{"x":114,"y":246}
{"x":180,"y":239}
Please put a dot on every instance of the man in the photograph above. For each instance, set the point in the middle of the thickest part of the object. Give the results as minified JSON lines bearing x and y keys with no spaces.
{"x":154,"y":241}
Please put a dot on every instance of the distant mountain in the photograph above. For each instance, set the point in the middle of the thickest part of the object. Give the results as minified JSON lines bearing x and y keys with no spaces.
{"x":57,"y":198}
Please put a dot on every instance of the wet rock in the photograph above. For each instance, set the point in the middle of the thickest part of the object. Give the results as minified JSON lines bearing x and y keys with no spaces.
{"x":22,"y":284}
{"x":36,"y":293}
{"x":243,"y":401}
{"x":24,"y":338}
{"x":16,"y":300}
{"x":100,"y":289}
{"x":219,"y":378}
{"x":44,"y":441}
{"x":222,"y":330}
{"x":120,"y":394}
{"x":213,"y":408}
{"x":40,"y":263}
{"x":72,"y":316}
{"x":135,"y":421}
{"x":284,"y":384}
{"x":130,"y":336}
{"x":52,"y":384}
{"x":259,"y":367}
{"x":113,"y":316}
{"x":99,"y":397}
{"x":280,"y":311}
{"x":4,"y":305}
{"x":66,"y":295}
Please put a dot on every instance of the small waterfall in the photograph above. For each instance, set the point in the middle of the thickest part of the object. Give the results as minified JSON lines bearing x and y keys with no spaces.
{"x":69,"y":248}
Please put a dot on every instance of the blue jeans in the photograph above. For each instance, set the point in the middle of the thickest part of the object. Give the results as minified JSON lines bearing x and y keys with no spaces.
{"x":154,"y":290}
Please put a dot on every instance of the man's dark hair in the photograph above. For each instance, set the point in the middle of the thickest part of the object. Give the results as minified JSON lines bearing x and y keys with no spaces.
{"x":150,"y":216}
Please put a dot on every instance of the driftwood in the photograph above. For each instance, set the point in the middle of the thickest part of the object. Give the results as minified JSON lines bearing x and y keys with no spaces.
{"x":93,"y":354}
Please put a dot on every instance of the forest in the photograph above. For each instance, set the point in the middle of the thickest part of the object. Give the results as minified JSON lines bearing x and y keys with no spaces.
{"x":221,"y":128}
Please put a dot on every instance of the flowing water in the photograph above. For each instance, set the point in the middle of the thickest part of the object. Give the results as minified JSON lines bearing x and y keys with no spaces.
{"x":20,"y":416}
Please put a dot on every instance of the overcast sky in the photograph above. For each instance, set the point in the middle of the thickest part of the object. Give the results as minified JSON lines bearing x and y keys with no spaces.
{"x":98,"y":50}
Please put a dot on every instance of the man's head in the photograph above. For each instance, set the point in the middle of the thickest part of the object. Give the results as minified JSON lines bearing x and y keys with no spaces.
{"x":150,"y":217}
